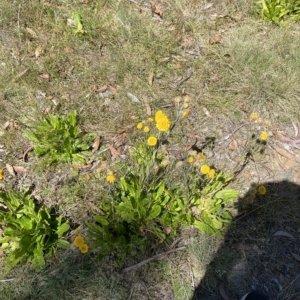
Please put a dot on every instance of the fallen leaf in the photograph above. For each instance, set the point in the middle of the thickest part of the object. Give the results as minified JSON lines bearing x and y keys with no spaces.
{"x":133,"y":98}
{"x":101,"y":166}
{"x":71,"y":22}
{"x":22,"y":73}
{"x":233,"y":144}
{"x":101,"y":89}
{"x":32,"y":32}
{"x":206,"y":112}
{"x":19,"y":169}
{"x":114,"y":152}
{"x":44,"y":76}
{"x":150,"y":77}
{"x":207,"y":6}
{"x":296,"y":256}
{"x":222,"y":291}
{"x":96,"y":143}
{"x":148,"y":108}
{"x":283,"y":233}
{"x":156,"y":9}
{"x":284,"y":153}
{"x":284,"y":162}
{"x":93,"y":207}
{"x":38,"y":51}
{"x":164,"y":60}
{"x":6,"y":125}
{"x":295,"y":129}
{"x":215,"y":40}
{"x":10,"y":170}
{"x":112,"y":89}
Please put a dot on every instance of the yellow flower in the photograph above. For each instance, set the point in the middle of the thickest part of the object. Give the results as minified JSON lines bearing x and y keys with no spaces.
{"x":84,"y":248}
{"x":163,"y":124}
{"x":264,"y":136}
{"x":262,"y":190}
{"x":152,"y":141}
{"x":205,"y":169}
{"x":146,"y":129}
{"x":1,"y":174}
{"x":190,"y":159}
{"x":254,"y":116}
{"x":77,"y":230}
{"x":139,"y":125}
{"x":79,"y":241}
{"x":201,"y":156}
{"x":110,"y":178}
{"x":211,"y":173}
{"x":150,"y":120}
{"x":159,"y":115}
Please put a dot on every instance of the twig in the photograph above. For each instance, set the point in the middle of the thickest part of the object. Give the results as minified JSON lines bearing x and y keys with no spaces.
{"x":158,"y":256}
{"x":26,"y":152}
{"x":180,"y":82}
{"x":5,"y":280}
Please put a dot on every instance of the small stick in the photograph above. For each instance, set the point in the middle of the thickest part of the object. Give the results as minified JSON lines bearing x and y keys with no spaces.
{"x":158,"y":256}
{"x":26,"y":152}
{"x":180,"y":82}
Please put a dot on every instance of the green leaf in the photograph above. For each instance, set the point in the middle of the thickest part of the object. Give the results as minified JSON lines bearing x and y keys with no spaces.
{"x":101,"y":219}
{"x":228,"y":195}
{"x":156,"y":210}
{"x":38,"y":261}
{"x":26,"y":222}
{"x":62,"y":229}
{"x":63,"y":244}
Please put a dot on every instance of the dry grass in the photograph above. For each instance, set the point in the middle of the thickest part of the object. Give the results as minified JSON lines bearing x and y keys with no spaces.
{"x":254,"y":67}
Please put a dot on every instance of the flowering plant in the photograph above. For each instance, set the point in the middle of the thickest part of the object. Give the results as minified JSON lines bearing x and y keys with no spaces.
{"x":148,"y":204}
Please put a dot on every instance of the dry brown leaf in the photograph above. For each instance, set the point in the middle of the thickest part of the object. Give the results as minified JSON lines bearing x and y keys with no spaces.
{"x":284,"y":153}
{"x":47,"y":110}
{"x":222,"y":291}
{"x":233,"y":144}
{"x":71,"y":22}
{"x":96,"y":143}
{"x":215,"y":40}
{"x":150,"y":77}
{"x":10,"y":170}
{"x":44,"y":76}
{"x":285,"y":163}
{"x":101,"y":166}
{"x":22,"y":73}
{"x":148,"y":108}
{"x":112,"y":89}
{"x":156,"y":9}
{"x":32,"y":32}
{"x":101,"y":89}
{"x":38,"y":51}
{"x":206,"y":112}
{"x":164,"y":60}
{"x":19,"y":169}
{"x":93,"y":207}
{"x":114,"y":152}
{"x":6,"y":125}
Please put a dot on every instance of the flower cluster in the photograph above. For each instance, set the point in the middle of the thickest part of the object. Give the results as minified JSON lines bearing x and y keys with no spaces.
{"x":1,"y":174}
{"x":207,"y":170}
{"x":162,"y":121}
{"x":80,"y":244}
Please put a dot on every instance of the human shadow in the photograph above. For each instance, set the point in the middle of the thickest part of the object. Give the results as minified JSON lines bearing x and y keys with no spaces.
{"x":261,"y":251}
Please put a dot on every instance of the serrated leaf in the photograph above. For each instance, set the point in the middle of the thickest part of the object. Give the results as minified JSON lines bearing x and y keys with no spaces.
{"x":156,"y":210}
{"x":62,"y":229}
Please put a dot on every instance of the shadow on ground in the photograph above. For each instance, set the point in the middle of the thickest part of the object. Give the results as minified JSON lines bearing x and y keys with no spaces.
{"x":261,"y":251}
